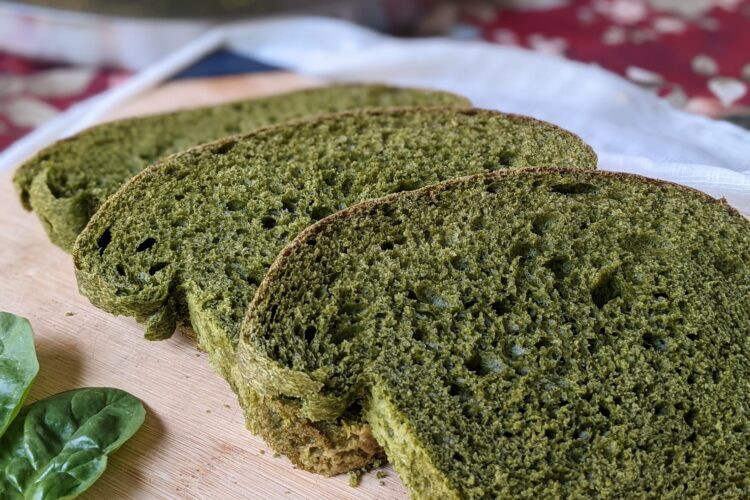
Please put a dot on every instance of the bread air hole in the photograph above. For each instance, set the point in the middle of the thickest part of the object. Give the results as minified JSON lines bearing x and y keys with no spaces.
{"x":470,"y":411}
{"x":57,"y":182}
{"x":268,"y":222}
{"x":500,"y":307}
{"x":559,"y":266}
{"x":543,"y":343}
{"x":573,"y":189}
{"x":524,"y":250}
{"x":661,"y":409}
{"x":251,"y":280}
{"x":346,"y":187}
{"x":345,"y":333}
{"x":104,"y":240}
{"x":651,"y":341}
{"x":604,"y":411}
{"x":406,"y":185}
{"x":235,"y":205}
{"x":310,"y":332}
{"x":396,"y":240}
{"x":223,"y":149}
{"x":690,"y":416}
{"x":605,"y":291}
{"x":727,"y":265}
{"x":459,"y":390}
{"x":492,"y":187}
{"x":592,"y":346}
{"x":329,"y":178}
{"x":418,"y":335}
{"x":318,"y":213}
{"x":484,"y":363}
{"x":352,"y":309}
{"x":506,"y":158}
{"x":157,"y":267}
{"x":146,"y":244}
{"x":459,"y":263}
{"x":468,"y":303}
{"x":289,"y":203}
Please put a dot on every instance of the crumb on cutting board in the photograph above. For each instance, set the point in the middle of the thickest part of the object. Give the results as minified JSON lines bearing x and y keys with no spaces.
{"x":355,"y":476}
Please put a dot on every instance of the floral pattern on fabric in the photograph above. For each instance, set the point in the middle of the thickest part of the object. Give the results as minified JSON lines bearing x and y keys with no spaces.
{"x":33,"y":92}
{"x":695,"y":53}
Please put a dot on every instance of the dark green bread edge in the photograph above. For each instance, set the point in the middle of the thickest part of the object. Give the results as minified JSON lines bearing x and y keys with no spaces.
{"x":273,"y":380}
{"x":64,"y":219}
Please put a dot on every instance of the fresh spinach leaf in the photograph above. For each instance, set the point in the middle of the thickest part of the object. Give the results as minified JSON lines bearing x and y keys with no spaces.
{"x":18,"y":365}
{"x":58,"y":447}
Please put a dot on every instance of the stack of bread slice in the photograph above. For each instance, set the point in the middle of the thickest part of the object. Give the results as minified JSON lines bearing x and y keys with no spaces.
{"x":501,"y":330}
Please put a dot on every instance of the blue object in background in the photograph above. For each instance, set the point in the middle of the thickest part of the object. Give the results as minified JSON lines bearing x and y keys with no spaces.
{"x":225,"y":62}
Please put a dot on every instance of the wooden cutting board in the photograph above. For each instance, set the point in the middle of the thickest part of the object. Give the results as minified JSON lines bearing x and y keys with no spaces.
{"x":193,"y":443}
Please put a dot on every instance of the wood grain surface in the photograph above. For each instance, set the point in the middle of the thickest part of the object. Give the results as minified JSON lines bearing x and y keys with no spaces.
{"x":193,"y":443}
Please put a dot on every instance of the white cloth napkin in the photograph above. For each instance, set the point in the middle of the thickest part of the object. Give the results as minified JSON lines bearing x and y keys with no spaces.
{"x":631,"y":129}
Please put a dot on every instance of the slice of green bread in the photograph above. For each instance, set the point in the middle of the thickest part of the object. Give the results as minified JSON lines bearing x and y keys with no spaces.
{"x":68,"y":181}
{"x":524,"y":334}
{"x":189,"y":239}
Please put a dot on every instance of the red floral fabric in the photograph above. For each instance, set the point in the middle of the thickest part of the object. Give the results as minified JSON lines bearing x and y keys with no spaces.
{"x":694,"y":52}
{"x":33,"y":92}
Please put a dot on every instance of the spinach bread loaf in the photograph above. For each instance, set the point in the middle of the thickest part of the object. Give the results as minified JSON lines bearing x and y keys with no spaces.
{"x":189,"y":239}
{"x":524,"y":334}
{"x":68,"y":181}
